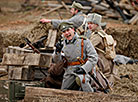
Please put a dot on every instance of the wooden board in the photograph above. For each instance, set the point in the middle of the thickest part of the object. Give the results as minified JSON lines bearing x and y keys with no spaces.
{"x":51,"y":40}
{"x":27,"y":59}
{"x":16,"y":49}
{"x":134,"y":19}
{"x":27,"y":73}
{"x":21,"y":73}
{"x":37,"y":94}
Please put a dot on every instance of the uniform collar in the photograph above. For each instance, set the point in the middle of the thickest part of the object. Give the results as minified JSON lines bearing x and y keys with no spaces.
{"x":79,"y":13}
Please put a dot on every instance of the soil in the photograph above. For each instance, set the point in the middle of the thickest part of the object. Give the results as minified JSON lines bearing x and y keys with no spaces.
{"x":17,"y":23}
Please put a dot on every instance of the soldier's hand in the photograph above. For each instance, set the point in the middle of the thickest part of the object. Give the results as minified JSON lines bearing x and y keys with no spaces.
{"x":59,"y":47}
{"x":45,"y":21}
{"x":80,"y":71}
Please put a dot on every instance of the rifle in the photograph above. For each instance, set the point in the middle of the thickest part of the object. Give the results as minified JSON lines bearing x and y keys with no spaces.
{"x":33,"y":48}
{"x":94,"y":78}
{"x":40,"y":42}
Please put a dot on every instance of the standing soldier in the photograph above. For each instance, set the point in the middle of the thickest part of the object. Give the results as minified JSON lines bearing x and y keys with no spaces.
{"x":80,"y":55}
{"x":77,"y":17}
{"x":104,"y":45}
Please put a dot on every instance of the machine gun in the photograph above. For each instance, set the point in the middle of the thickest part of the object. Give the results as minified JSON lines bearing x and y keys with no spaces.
{"x":40,"y":43}
{"x":33,"y":48}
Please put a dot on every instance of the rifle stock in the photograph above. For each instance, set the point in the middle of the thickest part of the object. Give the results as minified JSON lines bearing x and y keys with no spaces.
{"x":94,"y":78}
{"x":33,"y":48}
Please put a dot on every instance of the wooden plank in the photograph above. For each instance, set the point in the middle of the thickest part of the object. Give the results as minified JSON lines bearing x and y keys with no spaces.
{"x":63,"y":3}
{"x":53,"y":38}
{"x":16,"y":49}
{"x":21,"y":73}
{"x":52,"y":10}
{"x":133,"y":20}
{"x":37,"y":94}
{"x":27,"y":73}
{"x":27,"y":59}
{"x":3,"y":71}
{"x":49,"y":37}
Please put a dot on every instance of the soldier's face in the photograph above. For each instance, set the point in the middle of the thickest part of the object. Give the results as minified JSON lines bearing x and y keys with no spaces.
{"x":92,"y":26}
{"x":69,"y":33}
{"x":73,"y":11}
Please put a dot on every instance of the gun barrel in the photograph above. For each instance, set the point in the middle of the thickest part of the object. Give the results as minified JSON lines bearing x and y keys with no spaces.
{"x":33,"y":48}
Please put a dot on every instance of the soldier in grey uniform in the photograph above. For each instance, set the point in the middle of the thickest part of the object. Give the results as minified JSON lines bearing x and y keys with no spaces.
{"x":77,"y":17}
{"x":121,"y":59}
{"x":80,"y":55}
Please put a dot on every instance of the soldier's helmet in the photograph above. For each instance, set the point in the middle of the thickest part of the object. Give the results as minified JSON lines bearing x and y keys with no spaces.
{"x":94,"y":18}
{"x":65,"y":25}
{"x":77,"y":6}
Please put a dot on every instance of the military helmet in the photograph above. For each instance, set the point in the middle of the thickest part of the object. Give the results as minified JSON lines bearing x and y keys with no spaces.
{"x":65,"y":25}
{"x":77,"y":6}
{"x":94,"y":18}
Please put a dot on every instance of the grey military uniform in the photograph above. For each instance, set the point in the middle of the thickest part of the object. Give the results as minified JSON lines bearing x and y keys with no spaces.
{"x":77,"y":20}
{"x":72,"y":50}
{"x":121,"y":59}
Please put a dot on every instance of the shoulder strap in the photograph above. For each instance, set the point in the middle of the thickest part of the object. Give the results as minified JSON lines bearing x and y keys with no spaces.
{"x":84,"y":19}
{"x":102,"y":33}
{"x":82,"y":44}
{"x":82,"y":37}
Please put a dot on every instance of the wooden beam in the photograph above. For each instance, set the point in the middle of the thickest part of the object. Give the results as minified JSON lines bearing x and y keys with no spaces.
{"x":58,"y":7}
{"x":21,"y":73}
{"x":27,"y":59}
{"x":62,"y":2}
{"x":51,"y":40}
{"x":133,"y":20}
{"x":37,"y":94}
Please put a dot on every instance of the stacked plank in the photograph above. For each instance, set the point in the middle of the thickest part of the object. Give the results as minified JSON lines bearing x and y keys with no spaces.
{"x":25,"y":67}
{"x":21,"y":63}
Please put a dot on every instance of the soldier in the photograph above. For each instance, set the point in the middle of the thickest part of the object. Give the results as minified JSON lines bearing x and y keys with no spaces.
{"x":121,"y":59}
{"x":80,"y":55}
{"x":77,"y":17}
{"x":101,"y":41}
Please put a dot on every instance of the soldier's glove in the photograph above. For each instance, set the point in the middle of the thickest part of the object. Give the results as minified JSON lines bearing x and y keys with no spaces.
{"x":80,"y":70}
{"x":59,"y":46}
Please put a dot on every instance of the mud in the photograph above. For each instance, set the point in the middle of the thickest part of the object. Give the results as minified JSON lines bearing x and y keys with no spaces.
{"x":126,"y":37}
{"x":14,"y":26}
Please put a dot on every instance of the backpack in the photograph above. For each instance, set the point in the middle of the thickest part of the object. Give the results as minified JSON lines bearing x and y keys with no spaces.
{"x":109,"y":43}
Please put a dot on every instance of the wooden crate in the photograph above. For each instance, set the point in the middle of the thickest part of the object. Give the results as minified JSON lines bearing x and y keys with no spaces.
{"x":21,"y":73}
{"x":16,"y":90}
{"x":27,"y":59}
{"x":18,"y":50}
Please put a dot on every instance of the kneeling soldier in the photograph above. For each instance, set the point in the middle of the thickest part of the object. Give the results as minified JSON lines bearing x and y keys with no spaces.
{"x":80,"y":55}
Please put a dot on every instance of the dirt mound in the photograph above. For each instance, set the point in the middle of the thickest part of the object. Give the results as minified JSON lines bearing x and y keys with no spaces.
{"x":127,"y":86}
{"x":127,"y":39}
{"x":16,"y":36}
